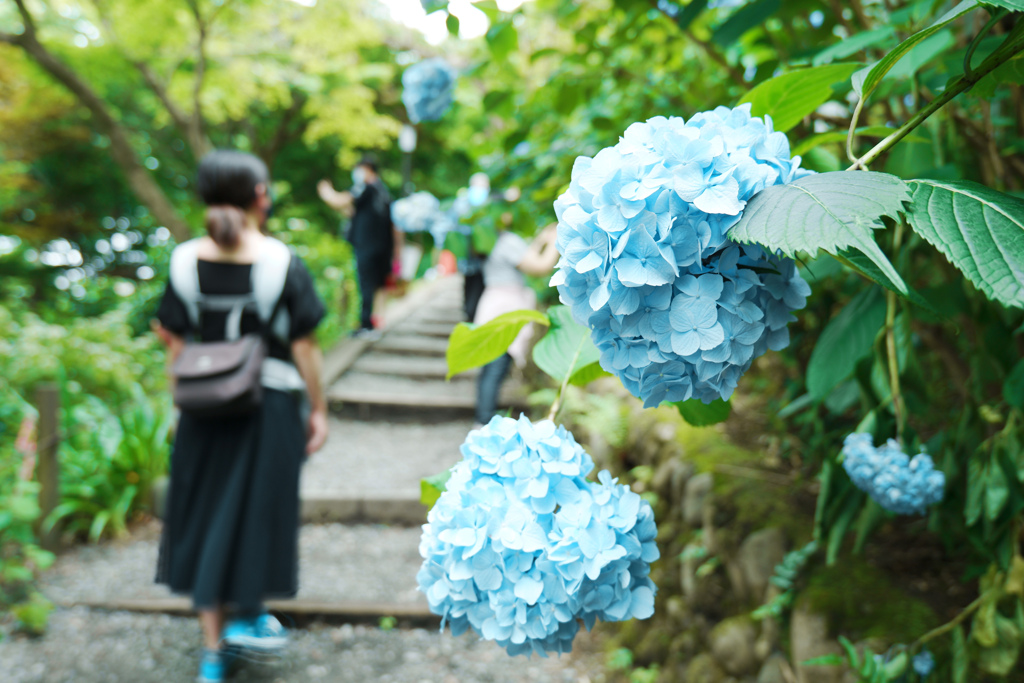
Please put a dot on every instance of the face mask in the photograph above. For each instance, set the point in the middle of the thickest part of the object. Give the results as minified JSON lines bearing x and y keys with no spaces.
{"x":359,"y":175}
{"x":478,"y":195}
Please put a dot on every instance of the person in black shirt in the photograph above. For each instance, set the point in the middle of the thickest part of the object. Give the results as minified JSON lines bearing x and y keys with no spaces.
{"x":370,"y":232}
{"x":230,"y":535}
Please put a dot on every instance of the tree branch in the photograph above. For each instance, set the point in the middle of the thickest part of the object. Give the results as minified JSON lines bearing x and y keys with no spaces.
{"x":182,"y":121}
{"x":282,"y":135}
{"x":139,"y":179}
{"x":709,"y":49}
{"x":196,"y":124}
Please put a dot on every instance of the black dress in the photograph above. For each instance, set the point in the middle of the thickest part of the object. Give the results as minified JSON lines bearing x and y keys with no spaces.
{"x":231,"y":531}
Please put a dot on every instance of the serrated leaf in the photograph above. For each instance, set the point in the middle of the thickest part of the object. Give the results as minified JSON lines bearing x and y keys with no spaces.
{"x":847,"y":338}
{"x":790,"y":97}
{"x":750,"y":15}
{"x":830,"y":211}
{"x":980,"y":231}
{"x":859,"y":263}
{"x":471,"y":347}
{"x":566,"y":348}
{"x":852,"y":45}
{"x":1012,"y":5}
{"x":699,"y":414}
{"x":879,"y":70}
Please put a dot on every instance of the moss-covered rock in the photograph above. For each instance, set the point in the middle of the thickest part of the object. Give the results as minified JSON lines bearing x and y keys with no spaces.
{"x":732,"y":645}
{"x":704,"y":669}
{"x":861,"y":602}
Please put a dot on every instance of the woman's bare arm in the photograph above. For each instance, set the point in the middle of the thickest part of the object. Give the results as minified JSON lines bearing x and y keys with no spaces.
{"x":341,"y":201}
{"x":309,"y":361}
{"x":542,"y":255}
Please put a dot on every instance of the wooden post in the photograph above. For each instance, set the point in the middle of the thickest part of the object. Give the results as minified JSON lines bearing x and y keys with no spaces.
{"x":48,"y":404}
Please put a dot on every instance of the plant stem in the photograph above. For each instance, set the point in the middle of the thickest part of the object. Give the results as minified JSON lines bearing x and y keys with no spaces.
{"x":996,"y":16}
{"x":1007,"y":51}
{"x":952,"y":623}
{"x":557,"y":405}
{"x":852,"y":136}
{"x":890,"y":343}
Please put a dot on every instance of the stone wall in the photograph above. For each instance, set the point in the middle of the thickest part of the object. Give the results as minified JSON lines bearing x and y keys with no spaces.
{"x":721,"y":536}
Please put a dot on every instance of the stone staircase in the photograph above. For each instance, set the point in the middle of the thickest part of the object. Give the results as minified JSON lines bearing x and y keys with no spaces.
{"x":395,"y":419}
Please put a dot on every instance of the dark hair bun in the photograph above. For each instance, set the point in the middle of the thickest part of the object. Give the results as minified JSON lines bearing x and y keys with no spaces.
{"x":224,"y":224}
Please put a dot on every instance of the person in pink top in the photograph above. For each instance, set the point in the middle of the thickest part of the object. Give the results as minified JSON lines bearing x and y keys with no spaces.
{"x":505,"y":290}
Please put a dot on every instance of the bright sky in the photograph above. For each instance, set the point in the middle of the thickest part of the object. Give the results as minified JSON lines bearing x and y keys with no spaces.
{"x":472,"y":22}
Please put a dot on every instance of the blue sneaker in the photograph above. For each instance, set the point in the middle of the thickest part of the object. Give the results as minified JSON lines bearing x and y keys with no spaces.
{"x":261,"y":634}
{"x":212,"y":667}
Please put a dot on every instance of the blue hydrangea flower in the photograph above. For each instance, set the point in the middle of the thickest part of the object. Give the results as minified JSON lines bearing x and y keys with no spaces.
{"x":677,"y":310}
{"x":416,"y":213}
{"x":521,"y":545}
{"x":923,"y":663}
{"x":900,"y":484}
{"x":427,"y":89}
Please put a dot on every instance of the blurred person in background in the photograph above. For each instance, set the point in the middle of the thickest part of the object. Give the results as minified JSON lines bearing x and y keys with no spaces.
{"x":370,"y":232}
{"x":230,"y":537}
{"x":505,"y":290}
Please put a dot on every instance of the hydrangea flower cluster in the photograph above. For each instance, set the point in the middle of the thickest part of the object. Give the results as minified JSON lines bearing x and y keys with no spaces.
{"x":427,"y":89}
{"x":416,"y":213}
{"x":521,"y":545}
{"x":900,"y":484}
{"x":677,"y":309}
{"x":924,"y":663}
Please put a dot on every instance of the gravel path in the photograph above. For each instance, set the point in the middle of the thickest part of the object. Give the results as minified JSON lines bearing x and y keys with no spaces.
{"x":337,"y":563}
{"x":361,"y":459}
{"x":84,"y":646}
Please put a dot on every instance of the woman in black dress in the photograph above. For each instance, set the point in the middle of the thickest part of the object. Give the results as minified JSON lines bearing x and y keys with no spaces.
{"x":230,"y":538}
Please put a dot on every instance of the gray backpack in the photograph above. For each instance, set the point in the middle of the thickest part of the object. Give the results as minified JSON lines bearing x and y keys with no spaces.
{"x":228,"y":377}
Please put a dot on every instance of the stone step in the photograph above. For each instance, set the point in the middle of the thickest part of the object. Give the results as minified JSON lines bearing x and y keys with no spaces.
{"x":371,"y":471}
{"x":420,"y":346}
{"x":422,"y":328}
{"x":414,"y":395}
{"x":367,"y":570}
{"x":416,"y":367}
{"x":447,"y":316}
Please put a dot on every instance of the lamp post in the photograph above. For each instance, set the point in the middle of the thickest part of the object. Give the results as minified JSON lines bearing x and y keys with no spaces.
{"x":407,"y":143}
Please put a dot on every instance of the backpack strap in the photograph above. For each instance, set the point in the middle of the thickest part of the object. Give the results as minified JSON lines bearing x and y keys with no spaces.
{"x":184,"y":276}
{"x":268,"y":276}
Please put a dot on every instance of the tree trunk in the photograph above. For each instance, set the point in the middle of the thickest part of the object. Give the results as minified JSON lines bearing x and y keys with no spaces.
{"x":139,"y":179}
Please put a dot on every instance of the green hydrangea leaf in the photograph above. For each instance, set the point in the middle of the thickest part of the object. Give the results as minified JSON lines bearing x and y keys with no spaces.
{"x":980,"y":231}
{"x":846,"y":339}
{"x":431,"y":488}
{"x":1012,"y":5}
{"x":750,"y":15}
{"x":830,"y":211}
{"x":699,"y":414}
{"x":566,"y":348}
{"x":875,"y":73}
{"x":472,"y":346}
{"x":790,"y":97}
